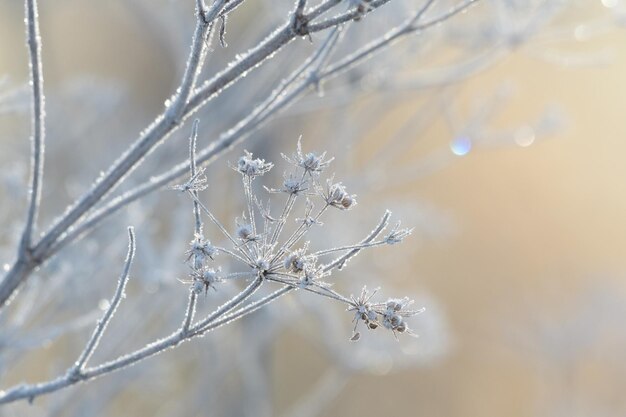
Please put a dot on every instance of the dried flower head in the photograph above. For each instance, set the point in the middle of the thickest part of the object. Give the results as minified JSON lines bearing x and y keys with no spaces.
{"x":390,"y":314}
{"x":336,"y":195}
{"x":297,"y":260}
{"x":244,"y":231}
{"x":205,"y":278}
{"x":311,"y":163}
{"x":252,"y":167}
{"x":200,"y":248}
{"x":268,"y":252}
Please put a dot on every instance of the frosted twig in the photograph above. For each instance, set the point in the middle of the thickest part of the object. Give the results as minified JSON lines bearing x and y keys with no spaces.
{"x":197,"y":260}
{"x":108,"y":315}
{"x":341,"y":261}
{"x":250,"y":308}
{"x":37,"y":125}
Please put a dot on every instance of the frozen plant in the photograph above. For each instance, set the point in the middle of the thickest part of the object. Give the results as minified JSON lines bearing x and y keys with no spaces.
{"x":257,"y":247}
{"x":264,"y":256}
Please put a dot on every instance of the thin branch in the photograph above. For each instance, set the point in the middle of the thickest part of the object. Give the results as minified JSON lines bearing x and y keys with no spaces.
{"x":358,"y":246}
{"x":115,"y":301}
{"x":244,"y":310}
{"x":229,"y":305}
{"x":197,"y":262}
{"x":37,"y":124}
{"x":223,"y":230}
{"x":341,"y":261}
{"x":193,"y":173}
{"x":346,"y":17}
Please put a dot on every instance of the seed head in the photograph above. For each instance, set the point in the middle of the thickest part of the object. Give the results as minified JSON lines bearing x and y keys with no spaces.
{"x":312,"y":163}
{"x":252,"y":167}
{"x":245,"y":232}
{"x":336,"y":195}
{"x":201,"y":248}
{"x":297,"y":261}
{"x":205,"y":278}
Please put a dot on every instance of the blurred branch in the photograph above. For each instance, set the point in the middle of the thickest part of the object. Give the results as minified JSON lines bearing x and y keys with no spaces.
{"x":280,"y":98}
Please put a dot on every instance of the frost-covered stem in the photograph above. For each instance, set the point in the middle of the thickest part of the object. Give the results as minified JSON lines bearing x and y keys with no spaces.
{"x":346,"y":17}
{"x":279,"y":91}
{"x":37,"y":125}
{"x":339,"y":262}
{"x":223,"y":230}
{"x":277,"y":40}
{"x":230,"y":6}
{"x":250,"y":308}
{"x":324,"y":292}
{"x":110,"y":312}
{"x":197,"y":262}
{"x":192,"y":171}
{"x":357,"y":246}
{"x":299,"y":233}
{"x":239,"y":275}
{"x":230,"y":304}
{"x":291,"y":200}
{"x":234,"y":255}
{"x":247,"y":189}
{"x":199,"y":45}
{"x":322,"y":8}
{"x":384,"y":41}
{"x":190,"y":310}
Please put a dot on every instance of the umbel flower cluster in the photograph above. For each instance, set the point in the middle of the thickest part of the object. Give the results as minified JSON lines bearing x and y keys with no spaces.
{"x":273,"y":247}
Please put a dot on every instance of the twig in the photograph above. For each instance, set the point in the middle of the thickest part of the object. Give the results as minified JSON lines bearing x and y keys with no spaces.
{"x":37,"y":125}
{"x":115,"y":301}
{"x":197,"y":262}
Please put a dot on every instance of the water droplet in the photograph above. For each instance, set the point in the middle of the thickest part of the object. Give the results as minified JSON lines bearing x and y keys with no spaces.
{"x":461,"y":145}
{"x":525,"y":136}
{"x":6,"y":267}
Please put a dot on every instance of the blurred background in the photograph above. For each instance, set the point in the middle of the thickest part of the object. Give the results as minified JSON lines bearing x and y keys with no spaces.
{"x":498,"y":135}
